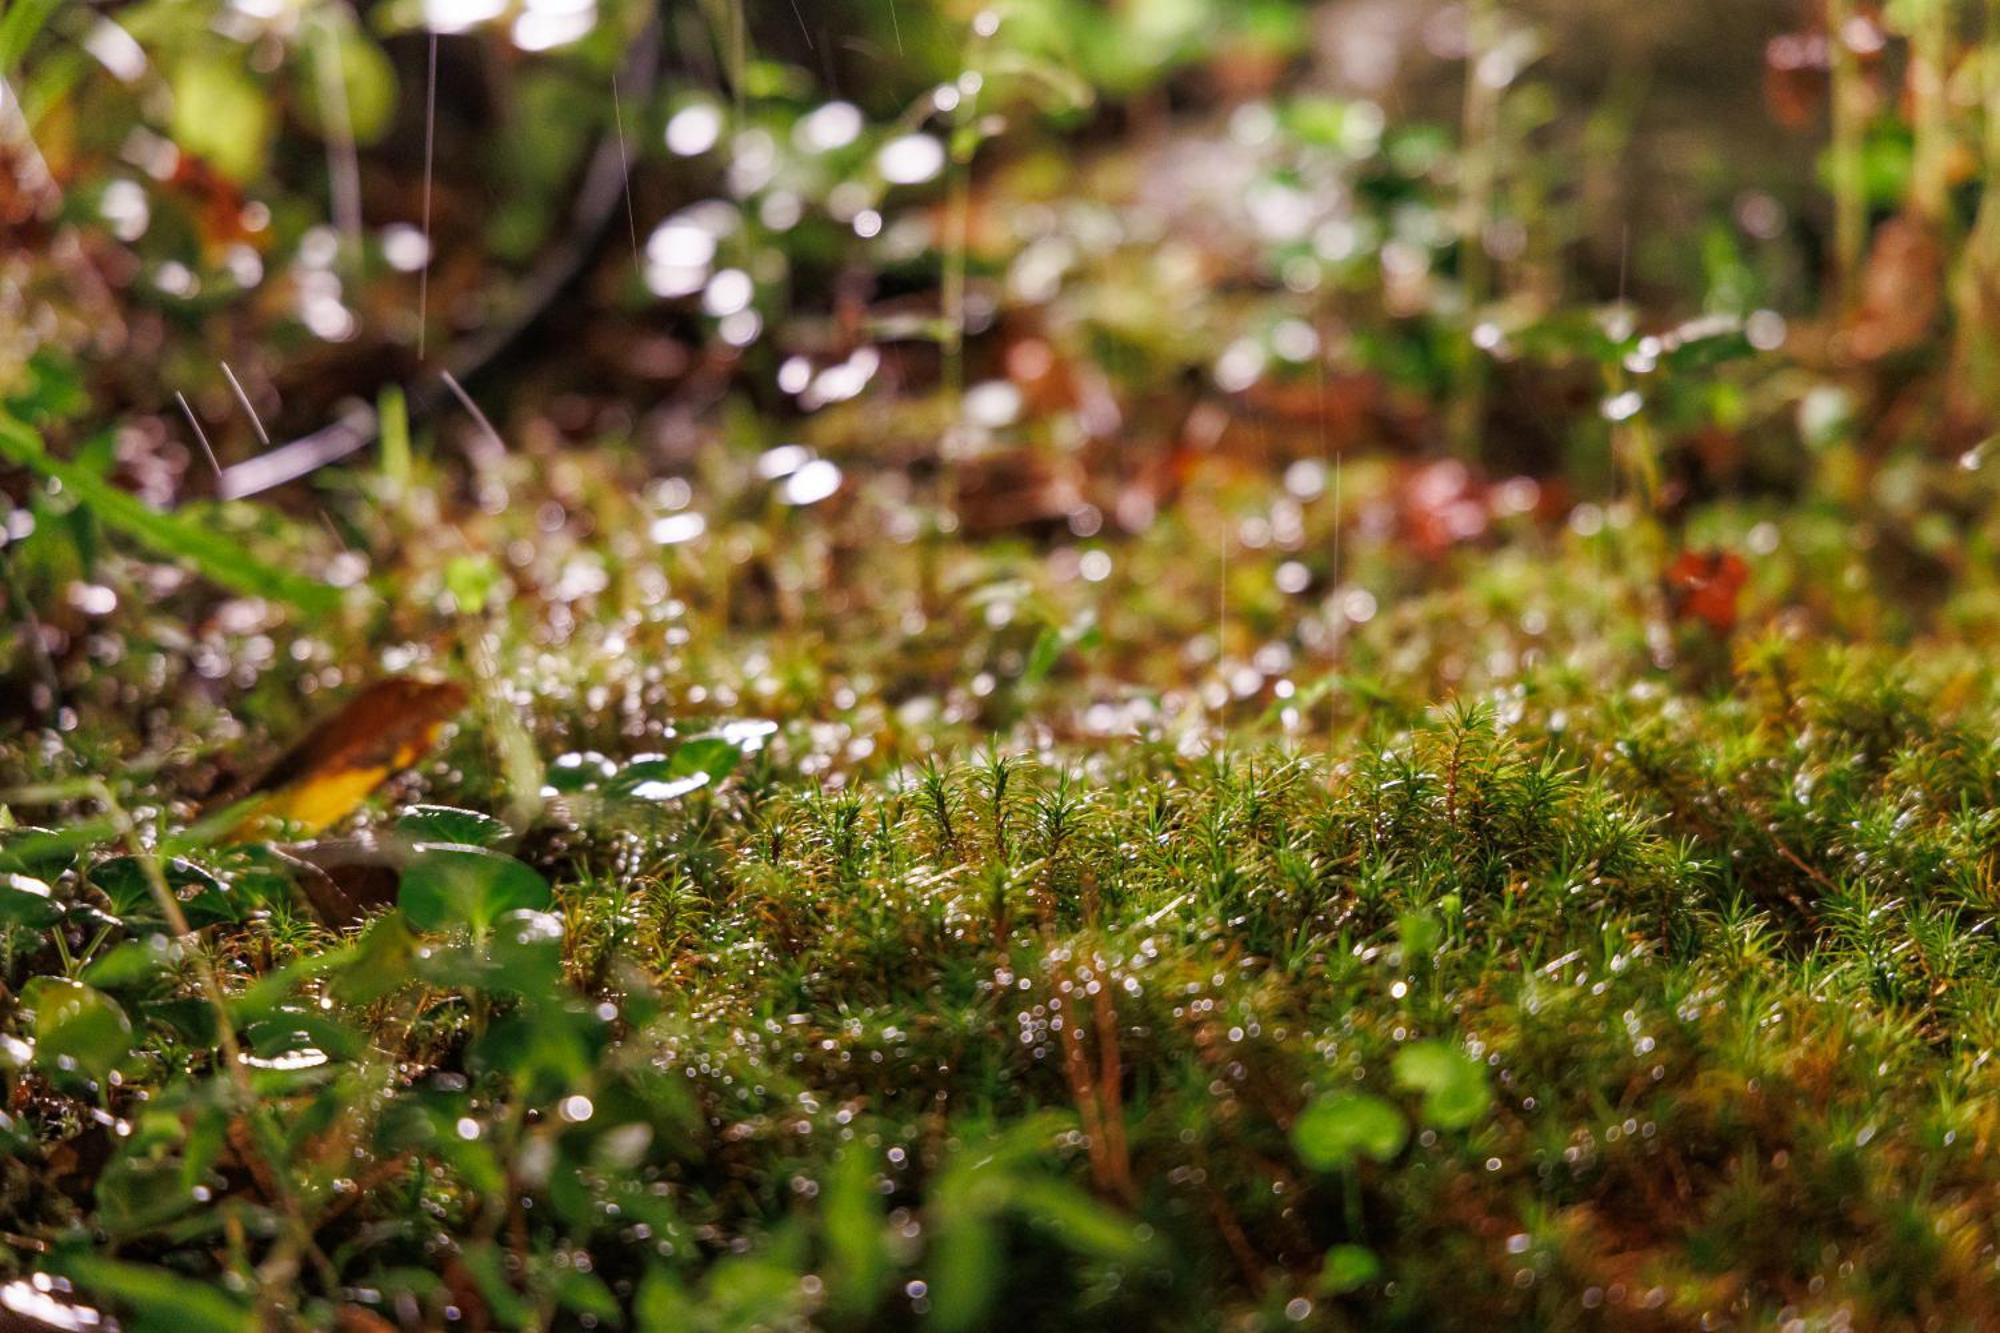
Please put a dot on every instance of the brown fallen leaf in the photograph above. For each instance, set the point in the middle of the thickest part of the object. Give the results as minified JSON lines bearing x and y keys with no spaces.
{"x":1902,"y":290}
{"x":325,"y":776}
{"x":1704,"y":585}
{"x":346,"y":879}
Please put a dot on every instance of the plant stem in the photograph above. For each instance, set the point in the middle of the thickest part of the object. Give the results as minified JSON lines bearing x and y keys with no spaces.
{"x":1930,"y":53}
{"x":1850,"y":204}
{"x":1479,"y":168}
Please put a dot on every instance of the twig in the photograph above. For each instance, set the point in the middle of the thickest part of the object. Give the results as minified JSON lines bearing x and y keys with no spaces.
{"x":597,"y":200}
{"x":430,"y":152}
{"x":1110,"y":1087}
{"x":472,"y":408}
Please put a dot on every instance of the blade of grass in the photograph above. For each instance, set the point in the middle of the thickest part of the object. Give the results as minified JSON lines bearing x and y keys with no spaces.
{"x":394,"y":414}
{"x":18,"y":28}
{"x":218,"y":558}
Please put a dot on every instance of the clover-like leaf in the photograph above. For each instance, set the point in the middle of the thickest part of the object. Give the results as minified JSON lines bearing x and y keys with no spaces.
{"x":1347,"y":1268}
{"x":1339,"y":1128}
{"x":1453,"y":1084}
{"x":451,"y":884}
{"x":444,"y":823}
{"x":40,"y":852}
{"x":26,"y":901}
{"x":78,"y":1030}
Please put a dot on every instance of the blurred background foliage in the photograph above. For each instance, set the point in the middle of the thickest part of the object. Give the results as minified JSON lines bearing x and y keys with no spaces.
{"x":902,"y":493}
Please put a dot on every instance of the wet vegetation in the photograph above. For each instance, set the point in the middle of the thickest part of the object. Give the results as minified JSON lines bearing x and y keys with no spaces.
{"x":1178,"y":664}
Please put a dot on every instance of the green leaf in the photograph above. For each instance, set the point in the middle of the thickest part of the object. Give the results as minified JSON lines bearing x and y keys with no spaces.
{"x":1453,"y":1084}
{"x":578,"y":771}
{"x":381,"y":961}
{"x":134,"y":962}
{"x":663,"y":1302}
{"x":710,"y":754}
{"x":1052,"y":643}
{"x":545,"y":1049}
{"x":1420,"y":933}
{"x":1085,"y":1225}
{"x":219,"y":559}
{"x":18,"y":26}
{"x":40,"y":852}
{"x":137,"y":1194}
{"x":482,"y":1259}
{"x":393,"y":412}
{"x":454,"y":885}
{"x":49,"y":389}
{"x":444,"y":823}
{"x":347,"y":77}
{"x":965,"y":1263}
{"x":856,"y":1234}
{"x":655,"y":780}
{"x":586,"y":1293}
{"x":694,"y":764}
{"x":521,"y":955}
{"x":1337,"y":1129}
{"x":1348,"y":1268}
{"x":204,"y":899}
{"x":1042,"y":657}
{"x":527,"y":947}
{"x":26,"y":901}
{"x":471,"y":580}
{"x":160,"y":1300}
{"x":221,"y":115}
{"x":78,"y":1030}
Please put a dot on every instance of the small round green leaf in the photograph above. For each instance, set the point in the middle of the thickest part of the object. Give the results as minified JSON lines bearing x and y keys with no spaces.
{"x":221,"y":114}
{"x":78,"y":1030}
{"x":657,"y":780}
{"x":450,"y":884}
{"x":1420,"y":934}
{"x":1453,"y":1084}
{"x":1348,"y":1268}
{"x":578,"y":771}
{"x":707,"y":754}
{"x":444,"y":823}
{"x":1335,"y":1130}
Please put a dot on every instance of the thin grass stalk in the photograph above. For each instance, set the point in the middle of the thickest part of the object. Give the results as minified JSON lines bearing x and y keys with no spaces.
{"x":1849,"y":116}
{"x":1479,"y":169}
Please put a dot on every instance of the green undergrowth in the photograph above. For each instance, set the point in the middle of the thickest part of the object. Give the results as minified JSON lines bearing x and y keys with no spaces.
{"x":1668,"y":1007}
